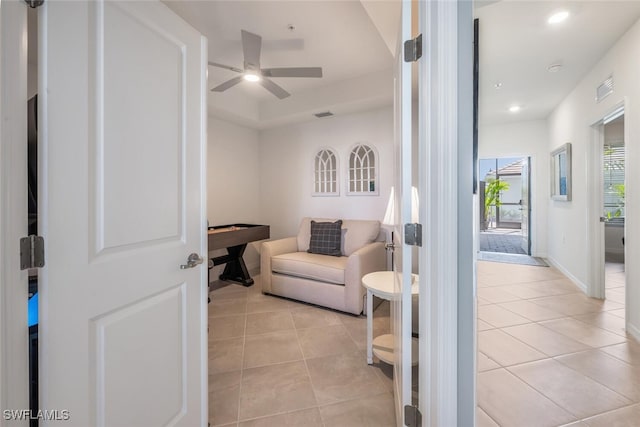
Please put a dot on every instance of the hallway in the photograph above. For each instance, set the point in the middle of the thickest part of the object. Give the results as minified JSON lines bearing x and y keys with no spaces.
{"x":550,"y":356}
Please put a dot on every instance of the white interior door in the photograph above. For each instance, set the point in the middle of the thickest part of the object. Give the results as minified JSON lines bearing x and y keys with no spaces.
{"x":525,"y":205}
{"x":122,"y":205}
{"x":401,"y":307}
{"x":14,"y":355}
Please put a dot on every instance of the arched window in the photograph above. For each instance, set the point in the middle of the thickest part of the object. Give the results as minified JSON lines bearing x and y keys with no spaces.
{"x":363,"y":177}
{"x":325,"y":173}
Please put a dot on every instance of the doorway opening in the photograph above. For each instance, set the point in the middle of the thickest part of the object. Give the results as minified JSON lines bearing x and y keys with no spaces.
{"x":505,"y":205}
{"x":613,"y":173}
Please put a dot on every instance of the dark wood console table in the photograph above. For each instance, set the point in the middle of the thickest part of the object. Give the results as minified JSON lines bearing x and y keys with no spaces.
{"x":234,"y":238}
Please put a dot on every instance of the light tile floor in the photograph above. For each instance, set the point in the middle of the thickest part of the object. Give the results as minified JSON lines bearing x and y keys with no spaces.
{"x":547,"y":356}
{"x":275,"y":362}
{"x":550,"y":356}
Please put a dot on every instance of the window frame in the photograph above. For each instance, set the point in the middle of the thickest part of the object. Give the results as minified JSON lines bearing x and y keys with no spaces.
{"x":314,"y":173}
{"x":376,"y":170}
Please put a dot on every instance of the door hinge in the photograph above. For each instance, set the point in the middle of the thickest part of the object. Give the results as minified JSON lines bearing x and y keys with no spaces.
{"x":412,"y":416}
{"x":34,"y":3}
{"x":413,"y":49}
{"x":413,"y":234}
{"x":31,"y":252}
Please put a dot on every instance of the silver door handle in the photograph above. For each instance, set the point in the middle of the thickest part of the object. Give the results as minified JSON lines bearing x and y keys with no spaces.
{"x":193,"y":260}
{"x":604,"y":219}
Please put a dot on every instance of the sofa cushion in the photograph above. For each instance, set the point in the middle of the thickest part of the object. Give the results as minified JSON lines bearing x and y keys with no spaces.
{"x":356,"y":233}
{"x":311,"y":266}
{"x":326,"y":238}
{"x":359,"y":234}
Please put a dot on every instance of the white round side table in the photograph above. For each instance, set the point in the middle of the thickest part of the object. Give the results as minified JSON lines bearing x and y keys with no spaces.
{"x":380,"y":284}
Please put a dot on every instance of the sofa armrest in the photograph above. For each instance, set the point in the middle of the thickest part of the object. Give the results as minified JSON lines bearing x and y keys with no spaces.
{"x":367,"y":259}
{"x":270,"y":249}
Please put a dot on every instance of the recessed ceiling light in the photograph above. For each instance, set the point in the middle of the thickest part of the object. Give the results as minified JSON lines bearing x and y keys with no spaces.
{"x":558,"y":17}
{"x":554,"y":68}
{"x":498,"y":85}
{"x":514,"y":108}
{"x":250,"y":77}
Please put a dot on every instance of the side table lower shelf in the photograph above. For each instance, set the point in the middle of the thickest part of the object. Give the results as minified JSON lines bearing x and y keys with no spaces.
{"x":383,"y":349}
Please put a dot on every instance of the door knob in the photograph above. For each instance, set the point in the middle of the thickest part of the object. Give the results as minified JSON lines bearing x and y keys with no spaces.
{"x":193,"y":260}
{"x":604,"y":219}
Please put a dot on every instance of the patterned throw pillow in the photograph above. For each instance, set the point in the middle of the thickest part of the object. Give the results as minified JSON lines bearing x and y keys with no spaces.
{"x":326,"y":238}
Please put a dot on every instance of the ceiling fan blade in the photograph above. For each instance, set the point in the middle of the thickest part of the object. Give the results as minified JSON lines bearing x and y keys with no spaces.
{"x":251,"y":45}
{"x":274,"y":88}
{"x":226,"y":85}
{"x":292,"y":72}
{"x":226,"y":67}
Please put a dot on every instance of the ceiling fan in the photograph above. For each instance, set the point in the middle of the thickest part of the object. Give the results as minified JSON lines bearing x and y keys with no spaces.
{"x":251,"y":46}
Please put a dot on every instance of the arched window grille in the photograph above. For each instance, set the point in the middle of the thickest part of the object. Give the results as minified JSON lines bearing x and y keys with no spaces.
{"x":363,"y":178}
{"x":325,"y":173}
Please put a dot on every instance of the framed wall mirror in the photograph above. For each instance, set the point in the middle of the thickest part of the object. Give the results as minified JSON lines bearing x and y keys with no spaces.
{"x":561,"y":173}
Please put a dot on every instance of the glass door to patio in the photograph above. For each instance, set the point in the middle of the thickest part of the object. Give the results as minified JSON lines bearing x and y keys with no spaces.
{"x":502,"y":208}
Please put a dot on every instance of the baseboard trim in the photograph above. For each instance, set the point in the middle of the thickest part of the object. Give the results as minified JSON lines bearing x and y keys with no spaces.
{"x":574,"y":279}
{"x":634,"y":332}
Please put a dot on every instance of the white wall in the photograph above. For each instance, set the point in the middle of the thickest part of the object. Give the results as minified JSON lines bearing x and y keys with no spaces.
{"x":571,"y":122}
{"x":522,"y":139}
{"x":233,"y":181}
{"x":286,"y":169}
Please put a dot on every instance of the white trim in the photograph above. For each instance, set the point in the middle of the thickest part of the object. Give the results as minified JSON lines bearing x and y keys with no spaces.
{"x":583,"y":286}
{"x":595,"y":286}
{"x":633,"y":331}
{"x":447,"y":317}
{"x":204,"y":273}
{"x":14,"y":372}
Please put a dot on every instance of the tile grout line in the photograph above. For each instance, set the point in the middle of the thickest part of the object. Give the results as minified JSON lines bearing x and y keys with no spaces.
{"x":306,"y":367}
{"x":244,"y":341}
{"x":609,"y":412}
{"x":577,"y":418}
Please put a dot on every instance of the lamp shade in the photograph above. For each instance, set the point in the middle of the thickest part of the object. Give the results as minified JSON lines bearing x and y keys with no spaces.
{"x":389,"y":218}
{"x":390,"y":214}
{"x":415,"y":205}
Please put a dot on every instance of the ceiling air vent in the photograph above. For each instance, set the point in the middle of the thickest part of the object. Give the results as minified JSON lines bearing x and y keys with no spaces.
{"x":324,"y":114}
{"x":605,"y":89}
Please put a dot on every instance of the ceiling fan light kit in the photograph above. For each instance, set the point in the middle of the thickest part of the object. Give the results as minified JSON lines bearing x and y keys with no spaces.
{"x":251,"y":77}
{"x":251,"y":47}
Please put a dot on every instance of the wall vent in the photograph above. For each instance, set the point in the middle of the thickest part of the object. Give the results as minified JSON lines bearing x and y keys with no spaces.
{"x":605,"y":89}
{"x":324,"y":114}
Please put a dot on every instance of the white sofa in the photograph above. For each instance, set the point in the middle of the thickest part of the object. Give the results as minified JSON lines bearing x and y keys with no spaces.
{"x":288,"y":270}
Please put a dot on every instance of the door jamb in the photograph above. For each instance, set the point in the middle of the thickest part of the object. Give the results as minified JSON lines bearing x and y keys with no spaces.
{"x":595,"y":238}
{"x":447,"y":257}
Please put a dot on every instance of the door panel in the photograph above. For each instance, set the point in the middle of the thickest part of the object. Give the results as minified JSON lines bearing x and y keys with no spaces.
{"x":123,"y":327}
{"x":401,"y":315}
{"x":126,"y":50}
{"x":14,"y":354}
{"x":126,"y":328}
